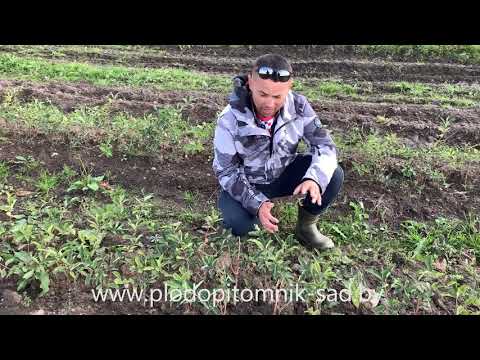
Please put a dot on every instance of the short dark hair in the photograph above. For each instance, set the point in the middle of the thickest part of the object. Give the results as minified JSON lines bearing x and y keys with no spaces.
{"x":275,"y":61}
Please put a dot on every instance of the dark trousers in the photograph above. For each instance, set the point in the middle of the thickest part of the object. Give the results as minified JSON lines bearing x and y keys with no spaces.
{"x":235,"y":217}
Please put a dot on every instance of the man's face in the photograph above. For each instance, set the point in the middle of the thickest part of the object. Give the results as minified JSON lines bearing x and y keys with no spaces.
{"x":268,"y":96}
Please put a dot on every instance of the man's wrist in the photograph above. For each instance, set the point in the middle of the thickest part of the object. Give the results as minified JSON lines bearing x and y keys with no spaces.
{"x":263,"y":202}
{"x":319,"y":187}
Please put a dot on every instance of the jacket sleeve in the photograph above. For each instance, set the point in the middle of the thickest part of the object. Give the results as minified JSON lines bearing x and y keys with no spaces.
{"x":322,"y":148}
{"x":228,"y":168}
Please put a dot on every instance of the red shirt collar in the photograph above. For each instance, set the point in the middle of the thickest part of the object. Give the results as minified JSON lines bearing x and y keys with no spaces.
{"x":268,"y":118}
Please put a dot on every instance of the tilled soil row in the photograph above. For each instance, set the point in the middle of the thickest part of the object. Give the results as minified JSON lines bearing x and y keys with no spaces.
{"x":293,"y":52}
{"x":165,"y":176}
{"x":169,"y":175}
{"x":197,"y":105}
{"x":306,"y":67}
{"x":419,"y":124}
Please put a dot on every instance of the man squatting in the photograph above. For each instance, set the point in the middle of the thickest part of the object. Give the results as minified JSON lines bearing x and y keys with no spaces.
{"x":256,"y":160}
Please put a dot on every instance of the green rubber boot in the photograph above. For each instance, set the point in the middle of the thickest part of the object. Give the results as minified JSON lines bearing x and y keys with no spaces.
{"x":307,"y":233}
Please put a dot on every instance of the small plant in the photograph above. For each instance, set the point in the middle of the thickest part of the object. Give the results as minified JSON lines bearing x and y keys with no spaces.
{"x":29,"y":268}
{"x":270,"y":259}
{"x":178,"y":283}
{"x":193,"y":147}
{"x":412,"y":88}
{"x":107,"y":217}
{"x":190,"y":198}
{"x":3,"y":172}
{"x":438,"y":177}
{"x":190,"y":216}
{"x":91,"y":237}
{"x":67,"y":173}
{"x":9,"y":206}
{"x":382,"y":120}
{"x":444,"y":127}
{"x":408,"y":171}
{"x":87,"y":183}
{"x":212,"y":220}
{"x":46,"y":182}
{"x":26,"y":301}
{"x":288,"y":213}
{"x":10,"y":96}
{"x":22,"y":233}
{"x":27,"y":163}
{"x":198,"y":136}
{"x":361,"y":168}
{"x":106,"y":148}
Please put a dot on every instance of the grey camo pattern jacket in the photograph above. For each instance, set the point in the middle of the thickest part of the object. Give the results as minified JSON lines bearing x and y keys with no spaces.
{"x":245,"y":153}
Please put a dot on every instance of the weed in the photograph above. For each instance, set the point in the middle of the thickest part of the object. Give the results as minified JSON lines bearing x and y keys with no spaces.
{"x":87,"y":184}
{"x":46,"y":182}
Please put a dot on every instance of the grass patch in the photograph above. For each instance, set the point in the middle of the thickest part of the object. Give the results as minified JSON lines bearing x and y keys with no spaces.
{"x":62,"y":51}
{"x":387,"y":160}
{"x":114,"y":131}
{"x":4,"y":171}
{"x":461,"y":53}
{"x":391,"y":146}
{"x":445,"y":94}
{"x":163,"y":79}
{"x":326,"y":88}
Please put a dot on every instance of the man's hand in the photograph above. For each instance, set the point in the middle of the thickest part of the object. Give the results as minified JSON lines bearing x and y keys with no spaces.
{"x":311,"y":187}
{"x":266,"y":218}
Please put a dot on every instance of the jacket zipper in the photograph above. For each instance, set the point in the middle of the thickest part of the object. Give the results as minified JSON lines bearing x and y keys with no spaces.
{"x":274,"y":132}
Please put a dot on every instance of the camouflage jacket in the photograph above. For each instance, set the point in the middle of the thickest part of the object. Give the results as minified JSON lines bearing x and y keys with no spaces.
{"x":246,"y":154}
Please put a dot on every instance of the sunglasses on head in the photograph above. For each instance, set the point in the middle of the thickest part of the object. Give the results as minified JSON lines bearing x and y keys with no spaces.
{"x":266,"y":72}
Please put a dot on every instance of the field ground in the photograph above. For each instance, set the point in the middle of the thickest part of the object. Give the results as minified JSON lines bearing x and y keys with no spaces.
{"x":106,"y":180}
